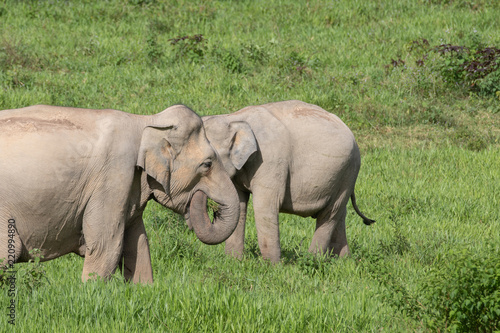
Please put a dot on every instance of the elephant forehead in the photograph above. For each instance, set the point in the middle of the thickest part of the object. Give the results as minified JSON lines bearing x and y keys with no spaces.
{"x":198,"y":145}
{"x":216,"y":129}
{"x":183,"y":116}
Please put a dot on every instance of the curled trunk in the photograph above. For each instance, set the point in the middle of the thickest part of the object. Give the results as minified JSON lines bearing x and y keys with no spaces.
{"x":225,"y":219}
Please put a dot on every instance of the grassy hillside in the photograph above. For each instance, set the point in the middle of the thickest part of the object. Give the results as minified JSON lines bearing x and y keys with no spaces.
{"x":416,"y":80}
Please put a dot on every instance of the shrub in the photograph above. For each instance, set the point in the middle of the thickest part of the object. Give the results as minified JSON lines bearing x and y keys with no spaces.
{"x":255,"y":53}
{"x":463,"y":295}
{"x":192,"y":48}
{"x":313,"y":264}
{"x":229,"y":60}
{"x":473,"y":67}
{"x":35,"y":273}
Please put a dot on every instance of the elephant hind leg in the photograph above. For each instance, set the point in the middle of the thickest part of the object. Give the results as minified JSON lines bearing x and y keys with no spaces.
{"x":136,"y":260}
{"x":330,"y":235}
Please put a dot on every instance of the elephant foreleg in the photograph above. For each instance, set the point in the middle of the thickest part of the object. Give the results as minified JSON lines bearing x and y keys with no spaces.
{"x":136,"y":257}
{"x":103,"y":234}
{"x":267,"y":223}
{"x":236,"y":242}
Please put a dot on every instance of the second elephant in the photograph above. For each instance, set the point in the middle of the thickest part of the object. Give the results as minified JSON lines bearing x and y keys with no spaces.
{"x":293,"y":157}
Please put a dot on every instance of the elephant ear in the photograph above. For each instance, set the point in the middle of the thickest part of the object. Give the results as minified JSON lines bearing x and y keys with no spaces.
{"x":156,"y":154}
{"x":243,"y":143}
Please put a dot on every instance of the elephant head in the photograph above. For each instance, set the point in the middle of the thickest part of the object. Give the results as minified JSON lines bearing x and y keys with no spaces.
{"x":234,"y":141}
{"x":181,"y":169}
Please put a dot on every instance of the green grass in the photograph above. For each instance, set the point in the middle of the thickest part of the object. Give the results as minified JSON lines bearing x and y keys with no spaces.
{"x":430,"y":171}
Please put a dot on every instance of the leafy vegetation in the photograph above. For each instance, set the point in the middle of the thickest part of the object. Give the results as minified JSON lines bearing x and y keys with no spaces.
{"x":416,"y":81}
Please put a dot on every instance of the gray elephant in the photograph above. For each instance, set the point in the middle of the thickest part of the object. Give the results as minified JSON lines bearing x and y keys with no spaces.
{"x":78,"y":180}
{"x":295,"y":158}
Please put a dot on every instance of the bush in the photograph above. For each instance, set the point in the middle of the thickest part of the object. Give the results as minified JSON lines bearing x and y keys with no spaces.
{"x":475,"y":68}
{"x":229,"y":60}
{"x":472,"y":67}
{"x":191,"y":47}
{"x":464,"y":295}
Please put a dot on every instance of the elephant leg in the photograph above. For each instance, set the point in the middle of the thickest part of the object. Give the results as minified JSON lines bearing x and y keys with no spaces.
{"x":136,"y":264}
{"x":10,"y":243}
{"x":236,"y":242}
{"x":267,"y":222}
{"x":103,"y":231}
{"x":330,"y":235}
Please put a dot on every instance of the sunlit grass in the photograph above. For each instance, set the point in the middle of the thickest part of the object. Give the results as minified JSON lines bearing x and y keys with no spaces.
{"x":430,"y":154}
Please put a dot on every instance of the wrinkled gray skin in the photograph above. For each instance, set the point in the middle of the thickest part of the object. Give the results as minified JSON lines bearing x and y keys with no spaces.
{"x":78,"y":180}
{"x":294,"y":158}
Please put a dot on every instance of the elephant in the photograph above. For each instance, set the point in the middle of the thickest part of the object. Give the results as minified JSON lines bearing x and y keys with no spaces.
{"x":293,"y":157}
{"x":77,"y":180}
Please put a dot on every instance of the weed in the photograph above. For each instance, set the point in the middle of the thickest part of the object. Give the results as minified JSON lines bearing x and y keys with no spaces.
{"x":252,"y":248}
{"x":35,"y":274}
{"x":313,"y":264}
{"x":475,"y":68}
{"x":154,"y":51}
{"x":229,"y":60}
{"x":191,"y":48}
{"x":142,"y":2}
{"x":17,"y":55}
{"x":376,"y":263}
{"x":91,"y":47}
{"x":463,"y":294}
{"x":469,"y":139}
{"x":3,"y":273}
{"x":160,"y":26}
{"x":398,"y":244}
{"x":255,"y":53}
{"x":395,"y":63}
{"x":472,"y":68}
{"x":296,"y":63}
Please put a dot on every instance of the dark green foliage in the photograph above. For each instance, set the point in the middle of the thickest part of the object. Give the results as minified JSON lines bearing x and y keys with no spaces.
{"x":3,"y":273}
{"x":473,"y":5}
{"x":142,"y":2}
{"x":469,"y":139}
{"x":313,"y":265}
{"x":298,"y":64}
{"x":255,"y":53}
{"x":398,"y":243}
{"x":34,"y":275}
{"x":15,"y":54}
{"x":190,"y":48}
{"x":229,"y":60}
{"x":474,"y":67}
{"x":154,"y":51}
{"x":463,"y":293}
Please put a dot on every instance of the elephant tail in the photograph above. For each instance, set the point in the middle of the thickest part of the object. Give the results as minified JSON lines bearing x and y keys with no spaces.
{"x":366,"y":220}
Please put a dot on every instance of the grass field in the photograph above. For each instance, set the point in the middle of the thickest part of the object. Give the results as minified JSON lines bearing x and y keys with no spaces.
{"x":428,"y":129}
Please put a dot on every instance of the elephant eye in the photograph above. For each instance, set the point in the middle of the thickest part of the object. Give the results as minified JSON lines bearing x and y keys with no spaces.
{"x":207,"y":164}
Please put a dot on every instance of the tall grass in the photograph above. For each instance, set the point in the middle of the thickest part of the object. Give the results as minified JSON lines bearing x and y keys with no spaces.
{"x":430,"y":148}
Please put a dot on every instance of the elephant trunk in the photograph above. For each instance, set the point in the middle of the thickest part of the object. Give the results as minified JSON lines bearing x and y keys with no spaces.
{"x":225,"y":219}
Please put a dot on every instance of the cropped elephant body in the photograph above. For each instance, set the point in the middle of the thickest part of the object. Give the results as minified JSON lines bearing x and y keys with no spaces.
{"x":294,"y":158}
{"x":78,"y":180}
